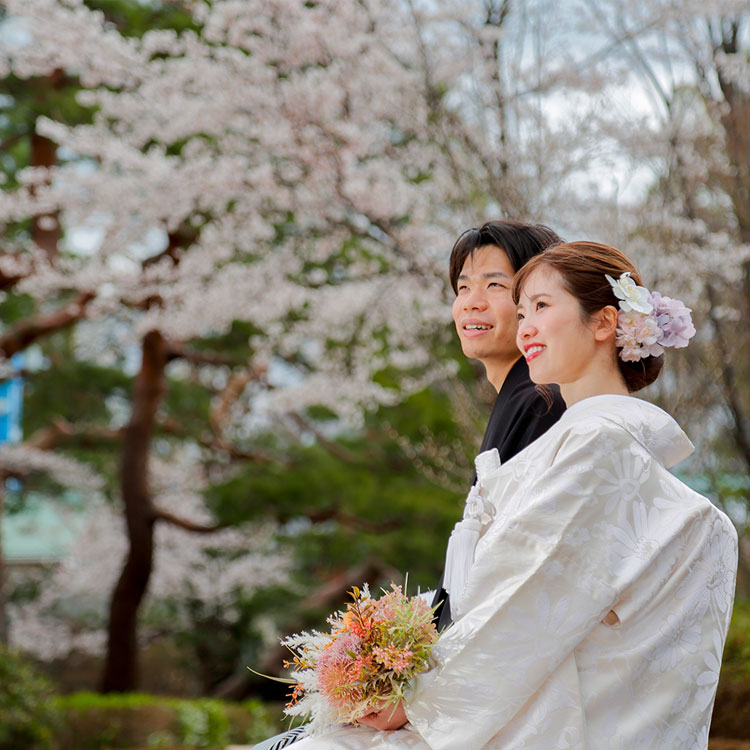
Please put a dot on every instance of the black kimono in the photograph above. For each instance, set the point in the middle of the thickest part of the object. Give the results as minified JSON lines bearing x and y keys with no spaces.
{"x":520,"y":415}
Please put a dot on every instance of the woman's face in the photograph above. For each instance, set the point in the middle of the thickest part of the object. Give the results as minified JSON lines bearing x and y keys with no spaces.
{"x":558,"y":346}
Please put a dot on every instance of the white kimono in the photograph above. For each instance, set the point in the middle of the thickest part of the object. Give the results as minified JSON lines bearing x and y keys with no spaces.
{"x":596,"y":608}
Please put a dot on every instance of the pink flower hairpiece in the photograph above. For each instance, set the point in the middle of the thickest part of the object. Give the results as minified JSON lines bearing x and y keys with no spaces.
{"x":647,"y":322}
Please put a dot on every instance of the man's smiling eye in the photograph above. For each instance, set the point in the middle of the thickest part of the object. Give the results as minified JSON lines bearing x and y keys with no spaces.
{"x":498,"y":283}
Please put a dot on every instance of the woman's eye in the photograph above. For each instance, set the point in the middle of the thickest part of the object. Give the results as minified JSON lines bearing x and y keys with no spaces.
{"x":520,"y":317}
{"x":541,"y":304}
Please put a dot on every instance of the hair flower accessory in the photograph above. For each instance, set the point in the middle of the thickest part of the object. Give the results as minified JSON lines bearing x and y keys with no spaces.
{"x":647,"y":322}
{"x":674,"y":320}
{"x":631,"y":296}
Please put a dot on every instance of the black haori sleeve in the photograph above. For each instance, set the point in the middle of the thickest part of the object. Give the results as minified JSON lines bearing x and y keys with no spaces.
{"x":522,"y":412}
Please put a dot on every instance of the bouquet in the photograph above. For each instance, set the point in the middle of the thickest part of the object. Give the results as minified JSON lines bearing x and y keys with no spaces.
{"x":364,"y":663}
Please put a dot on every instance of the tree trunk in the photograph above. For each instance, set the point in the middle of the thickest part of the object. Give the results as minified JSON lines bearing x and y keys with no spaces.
{"x":121,"y":667}
{"x":3,"y":611}
{"x":735,"y":121}
{"x":45,"y":228}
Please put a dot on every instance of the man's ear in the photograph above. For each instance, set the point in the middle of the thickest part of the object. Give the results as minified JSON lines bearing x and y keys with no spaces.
{"x":606,"y":323}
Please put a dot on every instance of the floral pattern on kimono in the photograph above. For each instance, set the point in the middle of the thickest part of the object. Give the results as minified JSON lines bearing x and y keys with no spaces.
{"x":597,"y":605}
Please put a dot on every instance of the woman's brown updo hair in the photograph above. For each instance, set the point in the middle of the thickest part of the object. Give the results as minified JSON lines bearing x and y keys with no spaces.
{"x":582,"y":266}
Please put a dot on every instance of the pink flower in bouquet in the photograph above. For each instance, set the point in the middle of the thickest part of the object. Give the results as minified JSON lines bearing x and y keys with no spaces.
{"x":337,"y":668}
{"x":396,"y":659}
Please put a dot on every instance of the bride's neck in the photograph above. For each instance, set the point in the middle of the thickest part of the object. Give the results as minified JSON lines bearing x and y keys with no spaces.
{"x":601,"y":379}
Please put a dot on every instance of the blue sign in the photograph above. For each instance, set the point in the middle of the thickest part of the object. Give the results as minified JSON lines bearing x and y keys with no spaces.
{"x":11,"y":400}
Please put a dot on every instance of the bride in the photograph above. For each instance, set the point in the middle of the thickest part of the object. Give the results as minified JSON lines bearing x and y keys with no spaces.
{"x":596,"y":607}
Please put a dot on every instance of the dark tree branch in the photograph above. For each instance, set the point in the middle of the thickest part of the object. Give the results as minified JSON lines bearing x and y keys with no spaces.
{"x":10,"y":280}
{"x":177,"y":241}
{"x":177,"y":350}
{"x":349,"y":521}
{"x":26,"y":333}
{"x":11,"y":141}
{"x":729,"y":380}
{"x":172,"y":427}
{"x":184,"y":523}
{"x":330,"y":445}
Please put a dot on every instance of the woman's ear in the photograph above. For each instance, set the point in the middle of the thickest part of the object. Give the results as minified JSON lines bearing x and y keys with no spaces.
{"x":606,"y":323}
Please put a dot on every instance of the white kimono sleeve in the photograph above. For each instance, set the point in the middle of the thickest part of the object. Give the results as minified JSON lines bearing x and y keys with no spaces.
{"x":543,"y":578}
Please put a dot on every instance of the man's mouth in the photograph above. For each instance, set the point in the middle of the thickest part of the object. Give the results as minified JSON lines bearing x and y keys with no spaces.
{"x":476,"y":328}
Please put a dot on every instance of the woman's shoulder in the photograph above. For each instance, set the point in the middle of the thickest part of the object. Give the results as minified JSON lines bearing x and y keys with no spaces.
{"x":626,"y":419}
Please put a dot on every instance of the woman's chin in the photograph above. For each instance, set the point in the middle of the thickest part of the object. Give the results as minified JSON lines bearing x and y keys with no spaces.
{"x":539,"y":376}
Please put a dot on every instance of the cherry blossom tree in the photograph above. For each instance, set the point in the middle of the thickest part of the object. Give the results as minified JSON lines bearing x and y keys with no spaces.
{"x":692,"y":62}
{"x":263,"y":202}
{"x":265,"y":189}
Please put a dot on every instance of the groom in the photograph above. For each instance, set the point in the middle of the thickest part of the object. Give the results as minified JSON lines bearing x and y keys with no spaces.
{"x":482,"y":265}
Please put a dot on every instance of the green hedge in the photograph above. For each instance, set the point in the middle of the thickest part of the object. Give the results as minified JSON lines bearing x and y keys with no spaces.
{"x":731,"y":716}
{"x":28,"y":717}
{"x":735,"y":665}
{"x":124,"y":720}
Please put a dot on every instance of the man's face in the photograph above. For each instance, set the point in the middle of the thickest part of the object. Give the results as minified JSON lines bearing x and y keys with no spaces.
{"x":483,"y":311}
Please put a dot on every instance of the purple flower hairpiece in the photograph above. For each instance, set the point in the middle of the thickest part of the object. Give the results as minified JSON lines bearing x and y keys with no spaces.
{"x":647,"y":322}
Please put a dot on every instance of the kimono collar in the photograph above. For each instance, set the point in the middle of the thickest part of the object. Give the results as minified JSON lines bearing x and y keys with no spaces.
{"x":651,"y":426}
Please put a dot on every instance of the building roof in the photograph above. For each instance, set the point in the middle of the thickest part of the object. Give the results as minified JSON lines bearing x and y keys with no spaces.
{"x":42,"y":531}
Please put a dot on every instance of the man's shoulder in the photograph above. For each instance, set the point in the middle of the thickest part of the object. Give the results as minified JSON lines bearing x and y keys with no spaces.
{"x":543,"y":400}
{"x":520,"y":395}
{"x":520,"y":416}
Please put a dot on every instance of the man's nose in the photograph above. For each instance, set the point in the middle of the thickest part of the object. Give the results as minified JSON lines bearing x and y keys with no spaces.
{"x":475,"y":300}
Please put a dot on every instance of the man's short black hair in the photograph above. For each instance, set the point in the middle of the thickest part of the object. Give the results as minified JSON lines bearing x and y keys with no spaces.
{"x":520,"y":241}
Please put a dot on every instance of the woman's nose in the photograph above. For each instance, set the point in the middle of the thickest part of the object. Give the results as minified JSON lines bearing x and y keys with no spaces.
{"x":525,"y":329}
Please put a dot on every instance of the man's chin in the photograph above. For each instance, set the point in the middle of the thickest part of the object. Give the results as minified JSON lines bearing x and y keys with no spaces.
{"x":475,"y":352}
{"x":489,"y":353}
